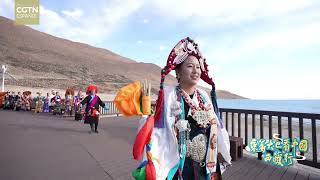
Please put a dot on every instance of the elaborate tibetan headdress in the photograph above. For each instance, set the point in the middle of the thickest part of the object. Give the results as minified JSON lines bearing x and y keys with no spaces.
{"x":185,"y":47}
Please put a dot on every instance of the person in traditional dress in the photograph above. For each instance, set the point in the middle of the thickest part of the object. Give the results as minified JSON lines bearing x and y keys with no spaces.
{"x":185,"y":136}
{"x":11,"y":99}
{"x":26,"y":98}
{"x":92,"y":102}
{"x":57,"y":98}
{"x":69,"y":101}
{"x":38,"y":103}
{"x":56,"y":103}
{"x":77,"y":106}
{"x":46,"y":103}
{"x":2,"y":99}
{"x":6,"y":101}
{"x":51,"y":103}
{"x":18,"y":102}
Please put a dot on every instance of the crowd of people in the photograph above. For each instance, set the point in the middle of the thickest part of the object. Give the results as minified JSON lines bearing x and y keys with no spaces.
{"x":50,"y":103}
{"x":79,"y":106}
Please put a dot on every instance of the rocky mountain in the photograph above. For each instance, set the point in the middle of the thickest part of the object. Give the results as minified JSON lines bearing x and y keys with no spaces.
{"x":38,"y":59}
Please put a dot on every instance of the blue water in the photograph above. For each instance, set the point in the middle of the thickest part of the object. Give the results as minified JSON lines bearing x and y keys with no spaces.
{"x":301,"y":106}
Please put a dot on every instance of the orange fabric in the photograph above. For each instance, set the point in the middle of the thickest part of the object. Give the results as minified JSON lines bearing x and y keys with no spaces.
{"x":146,"y":105}
{"x":149,"y":155}
{"x":128,"y":99}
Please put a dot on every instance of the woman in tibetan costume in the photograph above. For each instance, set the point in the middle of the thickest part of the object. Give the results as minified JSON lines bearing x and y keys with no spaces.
{"x":69,"y":101}
{"x":46,"y":103}
{"x":92,"y":102}
{"x":26,"y":98}
{"x":77,"y":106}
{"x":38,"y":103}
{"x":185,"y":136}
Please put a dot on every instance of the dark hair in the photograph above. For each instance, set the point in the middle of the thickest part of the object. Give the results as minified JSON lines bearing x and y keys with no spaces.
{"x":178,"y":67}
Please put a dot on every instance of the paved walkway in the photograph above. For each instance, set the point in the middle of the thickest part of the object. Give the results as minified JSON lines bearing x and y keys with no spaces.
{"x":47,"y":147}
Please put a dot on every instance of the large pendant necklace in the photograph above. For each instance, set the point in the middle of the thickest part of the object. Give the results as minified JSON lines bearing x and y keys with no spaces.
{"x":204,"y":116}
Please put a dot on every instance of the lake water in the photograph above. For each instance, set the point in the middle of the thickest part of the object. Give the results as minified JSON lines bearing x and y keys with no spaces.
{"x":302,"y":106}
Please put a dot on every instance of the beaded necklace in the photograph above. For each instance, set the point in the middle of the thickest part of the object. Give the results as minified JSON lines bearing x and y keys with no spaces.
{"x":202,"y":115}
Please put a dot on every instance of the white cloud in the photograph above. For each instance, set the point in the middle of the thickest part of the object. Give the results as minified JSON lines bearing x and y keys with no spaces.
{"x":76,"y":13}
{"x":87,"y":27}
{"x":139,"y":42}
{"x":145,"y":21}
{"x":117,"y":11}
{"x":7,"y":8}
{"x":279,"y":41}
{"x":283,"y":85}
{"x":293,"y":38}
{"x":50,"y":21}
{"x":215,"y":12}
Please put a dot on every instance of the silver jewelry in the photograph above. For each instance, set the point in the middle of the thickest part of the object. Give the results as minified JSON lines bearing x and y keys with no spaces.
{"x":182,"y":125}
{"x":197,"y":148}
{"x":203,"y":117}
{"x":175,"y":109}
{"x":184,"y":129}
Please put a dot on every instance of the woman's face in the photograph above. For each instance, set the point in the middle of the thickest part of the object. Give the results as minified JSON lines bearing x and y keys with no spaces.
{"x":189,"y":72}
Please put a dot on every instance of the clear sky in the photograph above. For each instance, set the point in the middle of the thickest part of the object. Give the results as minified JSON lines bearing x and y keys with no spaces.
{"x":261,"y":49}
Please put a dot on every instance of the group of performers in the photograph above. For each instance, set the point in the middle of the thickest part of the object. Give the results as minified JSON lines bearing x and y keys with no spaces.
{"x":51,"y":103}
{"x":17,"y":101}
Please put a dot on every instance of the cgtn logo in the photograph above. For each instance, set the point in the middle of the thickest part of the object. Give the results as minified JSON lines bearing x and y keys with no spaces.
{"x":27,"y":11}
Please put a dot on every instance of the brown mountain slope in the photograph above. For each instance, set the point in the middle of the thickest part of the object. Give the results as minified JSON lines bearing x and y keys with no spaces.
{"x":40,"y":60}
